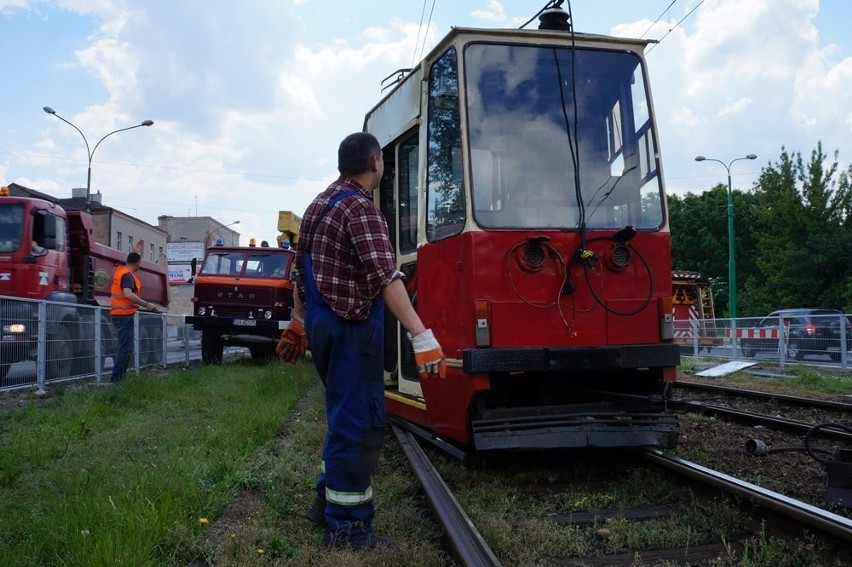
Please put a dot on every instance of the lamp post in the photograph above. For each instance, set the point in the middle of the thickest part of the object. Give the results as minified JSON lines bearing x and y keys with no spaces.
{"x":209,"y":234}
{"x":732,"y":264}
{"x":91,"y":152}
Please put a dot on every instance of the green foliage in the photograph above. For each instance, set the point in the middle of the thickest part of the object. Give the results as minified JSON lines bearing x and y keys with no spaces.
{"x":791,"y":236}
{"x":123,"y":474}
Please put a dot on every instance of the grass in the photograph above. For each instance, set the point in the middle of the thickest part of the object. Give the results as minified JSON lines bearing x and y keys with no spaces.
{"x":799,"y":379}
{"x":207,"y":466}
{"x":127,"y":474}
{"x":123,"y":474}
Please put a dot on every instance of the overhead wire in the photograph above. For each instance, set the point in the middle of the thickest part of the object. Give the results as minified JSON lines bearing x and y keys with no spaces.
{"x":671,"y":29}
{"x":664,"y":12}
{"x":419,"y":29}
{"x":426,"y":30}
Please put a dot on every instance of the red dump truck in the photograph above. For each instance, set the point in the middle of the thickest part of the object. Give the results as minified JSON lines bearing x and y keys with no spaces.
{"x":48,"y":253}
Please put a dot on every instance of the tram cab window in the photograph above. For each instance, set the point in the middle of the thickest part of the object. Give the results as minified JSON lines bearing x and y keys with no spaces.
{"x":555,"y":134}
{"x":445,"y":214}
{"x":407,"y":172}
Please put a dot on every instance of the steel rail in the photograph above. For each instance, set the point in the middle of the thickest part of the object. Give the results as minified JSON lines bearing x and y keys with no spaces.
{"x":468,"y":544}
{"x":818,"y":518}
{"x":760,"y":419}
{"x":809,"y":402}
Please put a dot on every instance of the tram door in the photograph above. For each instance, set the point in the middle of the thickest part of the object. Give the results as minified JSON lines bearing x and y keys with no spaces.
{"x":398,"y":202}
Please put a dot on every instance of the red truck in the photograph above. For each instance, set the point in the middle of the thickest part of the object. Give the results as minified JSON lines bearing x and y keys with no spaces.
{"x":243,"y":297}
{"x":48,"y":253}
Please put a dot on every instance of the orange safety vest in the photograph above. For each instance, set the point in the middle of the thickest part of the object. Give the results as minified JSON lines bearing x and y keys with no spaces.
{"x":120,"y":305}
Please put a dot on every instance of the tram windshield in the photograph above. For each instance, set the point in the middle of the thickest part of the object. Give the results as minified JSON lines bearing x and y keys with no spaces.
{"x":559,"y":138}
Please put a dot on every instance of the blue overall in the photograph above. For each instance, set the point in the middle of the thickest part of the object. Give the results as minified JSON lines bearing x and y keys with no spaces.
{"x":348,"y":356}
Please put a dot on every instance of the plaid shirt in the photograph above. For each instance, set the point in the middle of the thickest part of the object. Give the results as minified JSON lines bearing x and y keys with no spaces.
{"x":351,"y":254}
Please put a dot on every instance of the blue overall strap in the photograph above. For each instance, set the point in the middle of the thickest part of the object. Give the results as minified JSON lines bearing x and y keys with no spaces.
{"x":330,"y":205}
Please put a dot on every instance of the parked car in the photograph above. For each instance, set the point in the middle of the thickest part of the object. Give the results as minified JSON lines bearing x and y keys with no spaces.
{"x":806,"y":331}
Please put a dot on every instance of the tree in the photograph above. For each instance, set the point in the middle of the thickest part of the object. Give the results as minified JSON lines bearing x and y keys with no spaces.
{"x":803,"y":221}
{"x":699,"y":231}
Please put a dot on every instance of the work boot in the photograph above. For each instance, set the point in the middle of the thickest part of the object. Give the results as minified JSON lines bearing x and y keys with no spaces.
{"x":316,"y":513}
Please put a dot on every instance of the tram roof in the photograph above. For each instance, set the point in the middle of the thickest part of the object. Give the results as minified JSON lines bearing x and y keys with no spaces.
{"x":402,"y":99}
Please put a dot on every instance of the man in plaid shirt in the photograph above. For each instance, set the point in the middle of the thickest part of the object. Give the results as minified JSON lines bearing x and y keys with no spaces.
{"x":345,"y":274}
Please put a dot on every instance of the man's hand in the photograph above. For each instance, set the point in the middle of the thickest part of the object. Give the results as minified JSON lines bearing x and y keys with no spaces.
{"x":428,"y":356}
{"x":293,"y":343}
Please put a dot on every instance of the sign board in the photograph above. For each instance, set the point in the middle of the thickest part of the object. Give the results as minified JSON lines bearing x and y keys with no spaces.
{"x":727,"y":368}
{"x":179,"y":273}
{"x":184,"y":251}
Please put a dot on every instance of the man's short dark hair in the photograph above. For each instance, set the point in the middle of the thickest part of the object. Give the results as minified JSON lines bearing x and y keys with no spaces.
{"x":133,"y":258}
{"x":355,"y":151}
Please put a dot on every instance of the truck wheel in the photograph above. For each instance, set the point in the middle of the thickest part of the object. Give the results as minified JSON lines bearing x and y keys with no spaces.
{"x":262,"y":353}
{"x":4,"y":370}
{"x":155,"y":345}
{"x":150,"y":345}
{"x":211,"y":347}
{"x":84,"y":364}
{"x":748,"y":351}
{"x":60,"y":357}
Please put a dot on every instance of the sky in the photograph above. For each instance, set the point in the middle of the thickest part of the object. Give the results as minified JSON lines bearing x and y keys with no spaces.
{"x":251,"y":99}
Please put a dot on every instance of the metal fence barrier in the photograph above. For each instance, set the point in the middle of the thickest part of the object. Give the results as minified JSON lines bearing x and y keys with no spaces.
{"x":44,"y":341}
{"x":787,"y":339}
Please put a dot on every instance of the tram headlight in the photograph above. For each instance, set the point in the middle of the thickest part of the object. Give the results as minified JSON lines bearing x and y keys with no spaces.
{"x":267,"y":314}
{"x":202,"y":311}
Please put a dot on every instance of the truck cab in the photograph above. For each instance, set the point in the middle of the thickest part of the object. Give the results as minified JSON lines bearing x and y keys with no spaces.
{"x":50,"y":254}
{"x":243,"y":297}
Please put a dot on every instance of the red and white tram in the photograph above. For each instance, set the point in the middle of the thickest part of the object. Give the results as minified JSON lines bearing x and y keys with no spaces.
{"x":524,"y":193}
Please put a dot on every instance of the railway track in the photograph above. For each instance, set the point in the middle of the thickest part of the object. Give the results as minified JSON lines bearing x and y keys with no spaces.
{"x":824,"y":410}
{"x":469,"y":547}
{"x":828,"y":405}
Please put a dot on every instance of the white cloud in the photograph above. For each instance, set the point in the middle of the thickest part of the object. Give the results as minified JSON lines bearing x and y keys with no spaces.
{"x":736,"y":107}
{"x":495,"y":12}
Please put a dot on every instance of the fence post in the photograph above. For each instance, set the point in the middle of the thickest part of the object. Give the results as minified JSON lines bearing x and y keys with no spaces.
{"x":98,"y":346}
{"x":136,"y":343}
{"x":41,"y":364}
{"x":694,"y":324}
{"x":844,"y":358}
{"x":185,"y":329}
{"x":164,"y":344}
{"x":782,"y":342}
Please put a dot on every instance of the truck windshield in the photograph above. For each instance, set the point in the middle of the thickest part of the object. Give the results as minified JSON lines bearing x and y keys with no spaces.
{"x":249,"y":264}
{"x":223,"y":264}
{"x":542,"y":119}
{"x":11,"y":227}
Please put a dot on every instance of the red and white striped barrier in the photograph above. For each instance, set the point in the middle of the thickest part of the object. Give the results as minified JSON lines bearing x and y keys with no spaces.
{"x":756,"y":333}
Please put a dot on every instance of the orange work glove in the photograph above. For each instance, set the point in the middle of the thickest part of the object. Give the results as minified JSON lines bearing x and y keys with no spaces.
{"x":293,"y":342}
{"x":428,"y":356}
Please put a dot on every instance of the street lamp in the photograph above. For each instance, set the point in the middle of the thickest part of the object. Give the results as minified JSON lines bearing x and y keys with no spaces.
{"x":209,"y":234}
{"x":91,"y":153}
{"x":732,"y":265}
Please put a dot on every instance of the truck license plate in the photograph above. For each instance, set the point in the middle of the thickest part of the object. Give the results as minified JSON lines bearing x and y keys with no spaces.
{"x":246,"y":322}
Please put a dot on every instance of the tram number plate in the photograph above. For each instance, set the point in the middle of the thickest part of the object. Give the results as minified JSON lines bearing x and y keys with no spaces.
{"x":246,"y":322}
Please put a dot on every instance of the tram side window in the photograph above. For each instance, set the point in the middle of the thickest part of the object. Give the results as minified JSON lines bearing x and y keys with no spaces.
{"x":445,"y":214}
{"x":408,"y":165}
